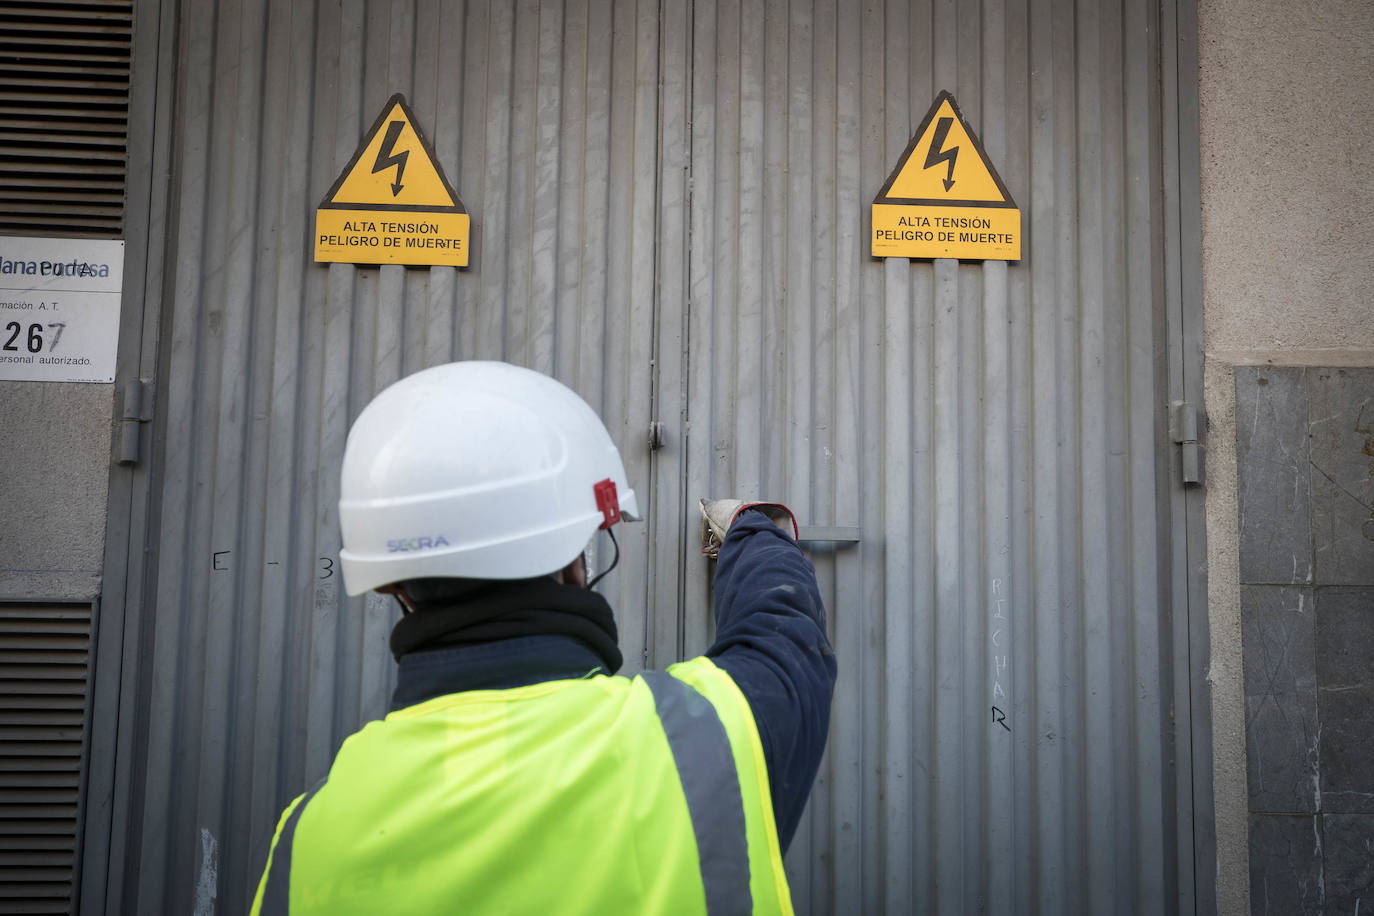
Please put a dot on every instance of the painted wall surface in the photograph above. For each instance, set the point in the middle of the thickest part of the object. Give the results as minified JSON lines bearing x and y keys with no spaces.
{"x":1287,"y":121}
{"x":1287,"y":99}
{"x":669,"y":213}
{"x":55,"y":451}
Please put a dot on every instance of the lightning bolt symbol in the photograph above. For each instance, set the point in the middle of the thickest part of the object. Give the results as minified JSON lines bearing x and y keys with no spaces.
{"x":386,"y":160}
{"x":935,"y":156}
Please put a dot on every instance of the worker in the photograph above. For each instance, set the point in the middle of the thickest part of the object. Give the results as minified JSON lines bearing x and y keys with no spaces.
{"x":515,"y":772}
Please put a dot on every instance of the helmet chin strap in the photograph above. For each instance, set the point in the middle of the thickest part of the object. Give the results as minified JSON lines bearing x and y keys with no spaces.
{"x":614,"y":560}
{"x":397,"y":591}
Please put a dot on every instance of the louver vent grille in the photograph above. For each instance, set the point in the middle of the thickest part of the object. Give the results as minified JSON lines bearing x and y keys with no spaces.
{"x":44,"y":656}
{"x":64,"y":113}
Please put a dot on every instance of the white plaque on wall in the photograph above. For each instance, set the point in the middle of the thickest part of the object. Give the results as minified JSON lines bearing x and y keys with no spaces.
{"x":59,"y":308}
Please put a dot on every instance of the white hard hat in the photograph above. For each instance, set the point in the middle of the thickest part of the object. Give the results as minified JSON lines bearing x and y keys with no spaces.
{"x":477,"y":470}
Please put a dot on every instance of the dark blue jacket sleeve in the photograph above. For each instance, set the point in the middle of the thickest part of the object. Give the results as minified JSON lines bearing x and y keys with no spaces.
{"x":771,"y":639}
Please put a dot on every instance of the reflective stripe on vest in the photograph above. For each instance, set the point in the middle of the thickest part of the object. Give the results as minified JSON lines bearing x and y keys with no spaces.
{"x":701,"y":750}
{"x":276,"y":894}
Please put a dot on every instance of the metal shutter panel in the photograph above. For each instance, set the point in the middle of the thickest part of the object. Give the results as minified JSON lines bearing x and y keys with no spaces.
{"x":44,"y":669}
{"x":64,"y":112}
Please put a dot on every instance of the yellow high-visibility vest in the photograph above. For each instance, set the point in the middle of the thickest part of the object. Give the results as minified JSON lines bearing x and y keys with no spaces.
{"x":605,"y":795}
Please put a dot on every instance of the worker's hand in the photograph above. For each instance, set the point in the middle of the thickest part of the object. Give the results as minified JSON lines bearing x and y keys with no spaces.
{"x":717,"y":515}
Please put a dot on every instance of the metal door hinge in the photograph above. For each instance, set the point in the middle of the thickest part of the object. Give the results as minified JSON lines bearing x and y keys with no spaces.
{"x":136,"y":408}
{"x":1184,"y":422}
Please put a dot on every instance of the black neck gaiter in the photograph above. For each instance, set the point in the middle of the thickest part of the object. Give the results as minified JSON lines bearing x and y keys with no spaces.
{"x":465,"y":612}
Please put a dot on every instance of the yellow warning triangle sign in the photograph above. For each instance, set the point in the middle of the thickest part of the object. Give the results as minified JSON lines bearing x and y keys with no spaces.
{"x":944,"y":165}
{"x":392,"y":204}
{"x":394,"y":168}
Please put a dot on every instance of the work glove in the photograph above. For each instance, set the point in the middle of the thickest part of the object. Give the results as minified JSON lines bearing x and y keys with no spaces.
{"x":717,"y":515}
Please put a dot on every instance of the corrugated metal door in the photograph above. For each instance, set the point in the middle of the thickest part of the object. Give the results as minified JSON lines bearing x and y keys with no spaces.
{"x":245,"y":666}
{"x":669,"y":205}
{"x":1001,"y":738}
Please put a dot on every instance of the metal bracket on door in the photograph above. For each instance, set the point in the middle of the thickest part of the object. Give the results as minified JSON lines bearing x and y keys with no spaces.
{"x":839,"y":535}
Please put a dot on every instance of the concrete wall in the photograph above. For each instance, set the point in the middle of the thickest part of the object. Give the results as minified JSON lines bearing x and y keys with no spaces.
{"x":1287,"y":127}
{"x":55,"y":451}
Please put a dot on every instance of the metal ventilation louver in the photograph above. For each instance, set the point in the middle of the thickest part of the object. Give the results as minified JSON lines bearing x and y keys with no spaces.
{"x":64,"y":114}
{"x":44,"y":669}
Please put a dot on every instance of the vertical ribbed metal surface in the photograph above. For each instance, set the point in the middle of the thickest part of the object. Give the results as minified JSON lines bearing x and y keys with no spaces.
{"x":545,"y":118}
{"x":991,"y":428}
{"x":670,"y":207}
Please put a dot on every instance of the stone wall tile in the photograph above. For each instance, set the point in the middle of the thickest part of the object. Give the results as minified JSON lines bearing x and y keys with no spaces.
{"x":1281,"y":733}
{"x":1285,"y":865}
{"x":1274,"y":475}
{"x":1342,"y":485}
{"x":1348,"y":863}
{"x":1345,"y":698}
